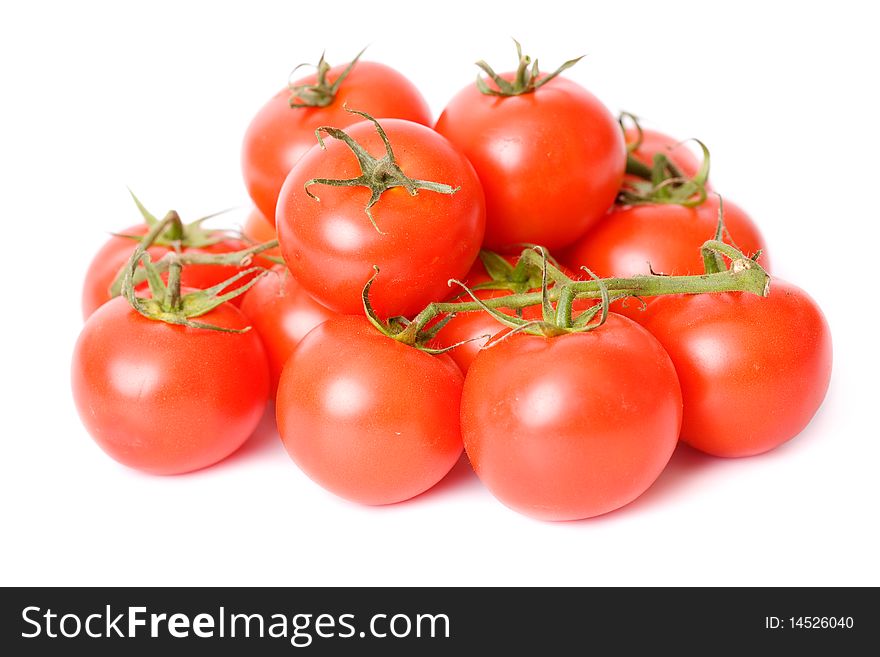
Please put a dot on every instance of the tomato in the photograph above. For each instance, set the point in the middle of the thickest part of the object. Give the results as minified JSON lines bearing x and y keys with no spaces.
{"x":368,"y":418}
{"x":281,"y":312}
{"x":330,"y":245}
{"x":164,"y":398}
{"x":667,"y":238}
{"x":118,"y":249}
{"x":654,"y":143}
{"x":551,"y":161}
{"x":753,"y":370}
{"x":259,"y":229}
{"x":572,"y":426}
{"x":280,"y":134}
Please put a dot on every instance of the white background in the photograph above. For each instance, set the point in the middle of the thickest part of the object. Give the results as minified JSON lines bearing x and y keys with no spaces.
{"x":156,"y":96}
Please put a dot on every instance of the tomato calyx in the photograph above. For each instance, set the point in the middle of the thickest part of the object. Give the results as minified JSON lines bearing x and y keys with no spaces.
{"x":166,"y":303}
{"x":187,"y":235}
{"x":403,"y":330}
{"x":322,"y":92}
{"x":526,"y":79}
{"x":663,"y":181}
{"x":377,"y":174}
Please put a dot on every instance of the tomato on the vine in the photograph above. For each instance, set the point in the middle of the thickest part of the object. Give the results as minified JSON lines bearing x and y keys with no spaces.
{"x":281,"y":313}
{"x":284,"y":128}
{"x":550,"y":157}
{"x":419,"y":238}
{"x":366,"y":417}
{"x":115,"y":252}
{"x":165,"y":398}
{"x":571,"y":426}
{"x":753,"y":370}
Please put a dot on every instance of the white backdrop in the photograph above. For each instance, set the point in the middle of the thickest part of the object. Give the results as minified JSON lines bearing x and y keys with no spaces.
{"x":156,"y":96}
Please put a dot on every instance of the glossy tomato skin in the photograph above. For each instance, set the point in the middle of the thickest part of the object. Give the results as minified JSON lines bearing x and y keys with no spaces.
{"x":573,"y":426}
{"x":667,"y":238}
{"x":330,"y":245}
{"x":168,"y":399}
{"x":551,"y":162}
{"x":753,"y":370}
{"x":116,"y":251}
{"x":368,"y":418}
{"x":654,"y":142}
{"x":279,"y":134}
{"x":281,"y":313}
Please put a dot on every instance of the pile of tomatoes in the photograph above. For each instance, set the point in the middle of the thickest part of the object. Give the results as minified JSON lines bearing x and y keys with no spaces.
{"x":588,"y":332}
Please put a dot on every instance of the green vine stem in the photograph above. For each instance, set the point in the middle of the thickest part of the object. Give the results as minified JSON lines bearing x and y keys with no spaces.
{"x":166,"y":302}
{"x":322,"y":92}
{"x":743,"y":275}
{"x":526,"y":79}
{"x":377,"y":174}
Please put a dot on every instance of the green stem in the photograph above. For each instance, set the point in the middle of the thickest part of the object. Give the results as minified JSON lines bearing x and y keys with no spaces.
{"x":638,"y":168}
{"x":744,"y":275}
{"x":231,"y":258}
{"x":173,"y":296}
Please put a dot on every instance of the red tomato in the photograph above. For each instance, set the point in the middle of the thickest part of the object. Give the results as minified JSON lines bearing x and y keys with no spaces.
{"x":654,"y":142}
{"x":753,"y":370}
{"x":368,"y":418}
{"x":259,"y":229}
{"x":551,"y":161}
{"x":168,"y":399}
{"x":665,"y":237}
{"x":573,"y":426}
{"x":281,"y":312}
{"x":117,"y":250}
{"x":280,"y":134}
{"x":330,"y":246}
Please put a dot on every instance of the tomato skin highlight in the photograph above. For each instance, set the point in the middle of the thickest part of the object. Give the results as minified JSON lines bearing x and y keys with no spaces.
{"x":168,"y":399}
{"x":573,"y":426}
{"x":281,"y":313}
{"x":117,"y":250}
{"x":550,"y":162}
{"x":279,"y":135}
{"x":369,"y":419}
{"x":753,"y":370}
{"x":330,"y":246}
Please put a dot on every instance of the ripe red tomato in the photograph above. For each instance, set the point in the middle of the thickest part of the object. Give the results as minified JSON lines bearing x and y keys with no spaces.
{"x":259,"y":229}
{"x":572,"y":426}
{"x":664,"y":237}
{"x":330,"y":246}
{"x":117,"y":250}
{"x":280,"y":134}
{"x":551,"y":161}
{"x":368,"y":418}
{"x":281,"y":312}
{"x":753,"y":370}
{"x":168,"y":399}
{"x":654,"y":143}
